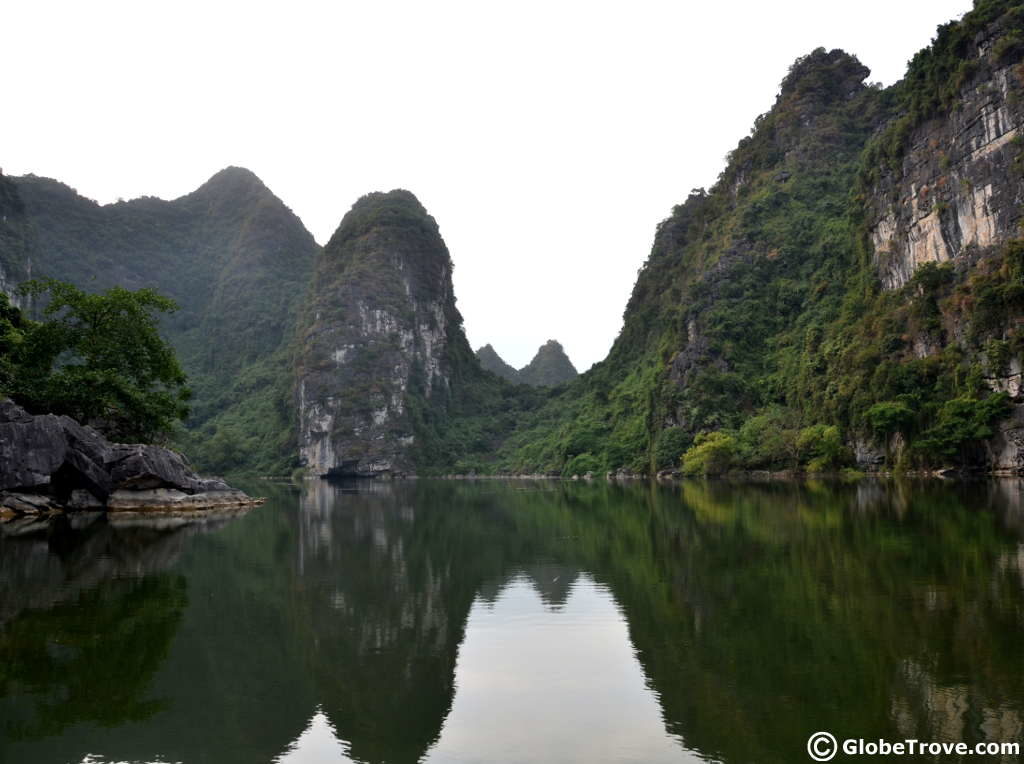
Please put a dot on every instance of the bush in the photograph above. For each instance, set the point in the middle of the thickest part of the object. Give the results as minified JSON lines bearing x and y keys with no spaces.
{"x":712,"y":453}
{"x":582,"y":464}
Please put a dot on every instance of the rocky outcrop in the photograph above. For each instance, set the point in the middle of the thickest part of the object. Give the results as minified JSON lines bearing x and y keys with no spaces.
{"x":378,"y":339}
{"x":50,"y":463}
{"x":960,"y":183}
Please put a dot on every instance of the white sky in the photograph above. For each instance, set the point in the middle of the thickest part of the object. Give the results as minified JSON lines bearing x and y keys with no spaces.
{"x":548,"y":138}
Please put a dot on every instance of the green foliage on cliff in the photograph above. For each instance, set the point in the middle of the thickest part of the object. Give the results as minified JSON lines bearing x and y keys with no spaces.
{"x":759,"y":314}
{"x":738,"y":281}
{"x":460,"y":429}
{"x":937,"y":75}
{"x":98,"y":358}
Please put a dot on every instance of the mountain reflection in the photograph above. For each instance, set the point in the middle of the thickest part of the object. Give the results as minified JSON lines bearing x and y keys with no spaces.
{"x":392,"y":622}
{"x":595,"y":705}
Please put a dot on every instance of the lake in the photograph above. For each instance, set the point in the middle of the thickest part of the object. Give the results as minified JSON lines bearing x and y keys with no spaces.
{"x":491,"y":621}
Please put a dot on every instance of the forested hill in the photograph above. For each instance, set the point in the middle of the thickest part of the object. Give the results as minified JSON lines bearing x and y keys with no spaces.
{"x":849,"y":291}
{"x":235,"y":259}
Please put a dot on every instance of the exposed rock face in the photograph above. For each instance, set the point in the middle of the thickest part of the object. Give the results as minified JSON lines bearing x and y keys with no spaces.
{"x":960,"y":186}
{"x":50,"y":462}
{"x":1005,"y":451}
{"x":378,"y":338}
{"x":550,"y":366}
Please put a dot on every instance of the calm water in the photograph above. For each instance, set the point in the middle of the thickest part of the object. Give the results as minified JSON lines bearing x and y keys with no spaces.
{"x":524,"y":622}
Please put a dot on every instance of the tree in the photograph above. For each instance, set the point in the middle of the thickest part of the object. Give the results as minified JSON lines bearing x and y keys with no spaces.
{"x":98,"y":358}
{"x":961,"y":423}
{"x":888,"y":417}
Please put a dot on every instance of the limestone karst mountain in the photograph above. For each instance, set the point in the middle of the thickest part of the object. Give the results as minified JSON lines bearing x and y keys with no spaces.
{"x":549,"y":367}
{"x":857,"y":266}
{"x":386,"y":382}
{"x":495,"y":364}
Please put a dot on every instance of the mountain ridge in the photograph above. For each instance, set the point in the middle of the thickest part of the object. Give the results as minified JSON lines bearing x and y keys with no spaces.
{"x":234,"y":257}
{"x":549,"y":367}
{"x":849,"y":292}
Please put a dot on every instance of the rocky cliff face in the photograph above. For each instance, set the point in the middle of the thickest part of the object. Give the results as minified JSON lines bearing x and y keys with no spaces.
{"x":378,"y":339}
{"x":952,"y":194}
{"x":957,"y":190}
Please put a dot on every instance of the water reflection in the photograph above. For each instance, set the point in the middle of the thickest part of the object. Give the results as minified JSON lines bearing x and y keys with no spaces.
{"x":594,"y":706}
{"x":75,"y":592}
{"x":480,"y":621}
{"x":318,"y":742}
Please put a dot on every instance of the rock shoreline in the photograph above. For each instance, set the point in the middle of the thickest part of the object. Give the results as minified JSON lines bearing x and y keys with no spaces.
{"x":52,"y":464}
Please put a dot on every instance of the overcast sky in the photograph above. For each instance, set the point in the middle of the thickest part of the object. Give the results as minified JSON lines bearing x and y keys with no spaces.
{"x":548,"y":139}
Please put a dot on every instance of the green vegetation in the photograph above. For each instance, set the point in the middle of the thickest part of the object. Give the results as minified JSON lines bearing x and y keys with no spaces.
{"x":936,"y":76}
{"x":97,"y":358}
{"x":758,"y":322}
{"x":759,"y":314}
{"x":237,"y":263}
{"x":712,"y":454}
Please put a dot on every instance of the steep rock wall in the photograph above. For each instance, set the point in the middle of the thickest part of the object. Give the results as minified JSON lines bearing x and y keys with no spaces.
{"x":376,"y":338}
{"x":960,"y":184}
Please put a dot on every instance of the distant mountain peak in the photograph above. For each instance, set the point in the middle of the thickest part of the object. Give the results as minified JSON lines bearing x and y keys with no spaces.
{"x":495,"y":364}
{"x":233,"y":180}
{"x":550,"y":366}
